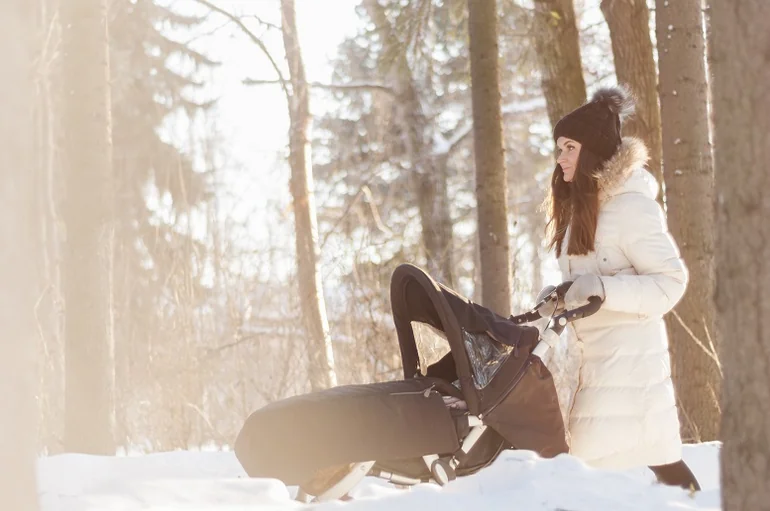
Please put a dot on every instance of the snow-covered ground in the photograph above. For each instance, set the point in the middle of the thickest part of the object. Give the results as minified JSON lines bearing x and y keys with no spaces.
{"x":214,"y":481}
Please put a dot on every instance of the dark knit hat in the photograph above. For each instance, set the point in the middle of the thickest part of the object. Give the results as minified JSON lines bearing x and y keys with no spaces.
{"x":596,"y":124}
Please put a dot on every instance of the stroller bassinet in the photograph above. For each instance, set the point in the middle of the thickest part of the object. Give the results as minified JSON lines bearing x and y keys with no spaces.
{"x":327,"y":441}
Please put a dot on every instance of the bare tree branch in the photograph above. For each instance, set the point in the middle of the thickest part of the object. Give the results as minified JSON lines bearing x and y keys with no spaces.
{"x":253,"y":37}
{"x":448,"y":145}
{"x":265,"y":23}
{"x":375,"y":213}
{"x":238,"y":342}
{"x":206,"y":34}
{"x":710,"y":352}
{"x":363,"y":86}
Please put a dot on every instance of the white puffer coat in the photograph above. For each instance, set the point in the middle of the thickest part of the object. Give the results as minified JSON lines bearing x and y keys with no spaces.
{"x":624,"y":413}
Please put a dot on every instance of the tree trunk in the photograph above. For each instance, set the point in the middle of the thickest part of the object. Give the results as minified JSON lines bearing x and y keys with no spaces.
{"x":558,"y":53}
{"x":537,"y":260}
{"x":87,"y":148}
{"x":689,"y":177}
{"x":320,"y":352}
{"x":629,"y":23}
{"x":435,"y":219}
{"x":739,"y":48}
{"x":491,"y":182}
{"x":429,"y":178}
{"x":18,"y":429}
{"x":49,"y":308}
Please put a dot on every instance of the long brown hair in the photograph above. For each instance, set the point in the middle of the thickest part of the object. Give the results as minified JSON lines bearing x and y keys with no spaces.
{"x":574,"y":205}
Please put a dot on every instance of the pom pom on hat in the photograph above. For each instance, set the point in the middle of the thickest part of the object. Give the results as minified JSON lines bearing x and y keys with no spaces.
{"x":597,"y":124}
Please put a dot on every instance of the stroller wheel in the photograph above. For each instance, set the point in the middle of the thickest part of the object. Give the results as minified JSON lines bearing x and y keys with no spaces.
{"x":303,"y":497}
{"x":333,"y":482}
{"x":443,"y":472}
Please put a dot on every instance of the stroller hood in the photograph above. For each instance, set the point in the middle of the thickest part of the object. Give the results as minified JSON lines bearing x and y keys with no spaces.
{"x":491,"y":357}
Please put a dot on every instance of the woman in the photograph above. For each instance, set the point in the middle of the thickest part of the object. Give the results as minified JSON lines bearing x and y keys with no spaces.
{"x":611,"y":239}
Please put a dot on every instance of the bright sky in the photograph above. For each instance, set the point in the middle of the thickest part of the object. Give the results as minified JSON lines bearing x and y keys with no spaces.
{"x":258,"y":115}
{"x":252,"y":121}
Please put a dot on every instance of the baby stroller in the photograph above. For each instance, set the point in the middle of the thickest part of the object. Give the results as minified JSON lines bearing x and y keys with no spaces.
{"x":404,"y":431}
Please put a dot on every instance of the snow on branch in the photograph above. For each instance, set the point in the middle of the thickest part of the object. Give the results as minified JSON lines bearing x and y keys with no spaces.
{"x":520,"y":107}
{"x":360,"y":86}
{"x":443,"y":146}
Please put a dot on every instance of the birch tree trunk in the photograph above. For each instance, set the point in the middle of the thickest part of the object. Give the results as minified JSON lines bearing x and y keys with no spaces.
{"x":320,"y":352}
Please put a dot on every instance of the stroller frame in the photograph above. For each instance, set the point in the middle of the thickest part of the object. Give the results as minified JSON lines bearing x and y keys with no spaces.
{"x":444,"y":469}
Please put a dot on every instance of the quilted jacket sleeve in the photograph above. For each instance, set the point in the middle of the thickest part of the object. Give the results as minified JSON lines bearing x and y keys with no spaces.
{"x":661,"y":277}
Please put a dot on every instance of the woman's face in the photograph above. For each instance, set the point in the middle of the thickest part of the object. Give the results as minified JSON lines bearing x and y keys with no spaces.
{"x":568,"y":152}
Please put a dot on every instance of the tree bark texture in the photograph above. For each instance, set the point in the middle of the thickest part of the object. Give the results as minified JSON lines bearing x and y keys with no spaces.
{"x":739,"y":48}
{"x":320,"y":351}
{"x":557,"y":47}
{"x":689,"y":177}
{"x":491,"y":182}
{"x":436,"y":220}
{"x":629,"y":24}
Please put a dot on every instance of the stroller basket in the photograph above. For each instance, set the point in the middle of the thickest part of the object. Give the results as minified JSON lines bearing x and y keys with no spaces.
{"x":402,"y":431}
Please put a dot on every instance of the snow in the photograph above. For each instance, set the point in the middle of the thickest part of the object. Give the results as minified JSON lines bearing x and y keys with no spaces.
{"x":214,"y":481}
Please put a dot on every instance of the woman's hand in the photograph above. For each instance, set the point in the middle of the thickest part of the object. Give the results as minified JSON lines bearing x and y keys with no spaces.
{"x":547,"y":290}
{"x":552,"y":306}
{"x":582,"y":289}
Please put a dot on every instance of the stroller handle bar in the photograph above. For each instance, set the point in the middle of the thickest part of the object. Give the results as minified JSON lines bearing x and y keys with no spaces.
{"x":546,"y":307}
{"x":560,"y":321}
{"x":550,"y":302}
{"x":550,"y":335}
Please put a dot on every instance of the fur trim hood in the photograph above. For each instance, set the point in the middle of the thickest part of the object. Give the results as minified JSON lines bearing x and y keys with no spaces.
{"x":625,"y":172}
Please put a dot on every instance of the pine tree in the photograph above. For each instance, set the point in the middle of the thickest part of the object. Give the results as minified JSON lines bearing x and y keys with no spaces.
{"x":158,"y":260}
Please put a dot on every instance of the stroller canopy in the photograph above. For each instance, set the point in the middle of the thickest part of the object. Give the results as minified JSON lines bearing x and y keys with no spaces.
{"x":490,"y":356}
{"x":415,"y":296}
